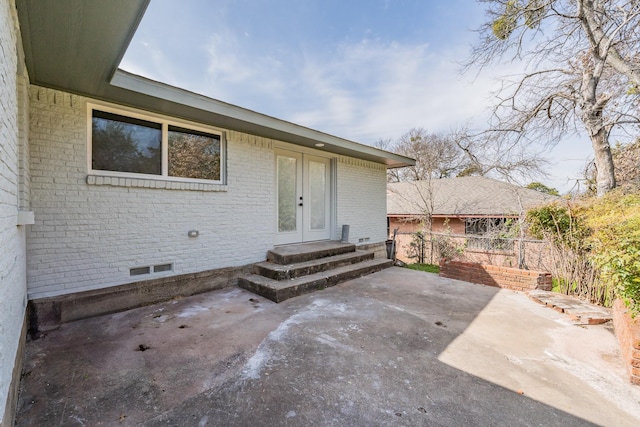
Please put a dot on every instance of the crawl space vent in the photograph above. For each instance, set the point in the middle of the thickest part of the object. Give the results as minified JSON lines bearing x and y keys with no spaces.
{"x":162,"y":267}
{"x":138,"y":271}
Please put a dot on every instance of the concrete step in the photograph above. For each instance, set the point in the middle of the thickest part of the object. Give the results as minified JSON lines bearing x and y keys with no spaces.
{"x":291,"y":254}
{"x":280,"y":290}
{"x":291,"y":271}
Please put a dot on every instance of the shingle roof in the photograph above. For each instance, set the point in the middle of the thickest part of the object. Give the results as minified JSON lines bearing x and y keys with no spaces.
{"x":464,"y":196}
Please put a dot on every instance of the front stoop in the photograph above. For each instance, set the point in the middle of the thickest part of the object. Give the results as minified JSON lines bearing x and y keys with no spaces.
{"x":291,"y":254}
{"x":294,"y":270}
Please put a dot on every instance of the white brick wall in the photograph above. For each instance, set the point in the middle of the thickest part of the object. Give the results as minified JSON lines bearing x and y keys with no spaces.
{"x":12,"y":237}
{"x":362,"y":200}
{"x":24,"y":178}
{"x":89,"y":236}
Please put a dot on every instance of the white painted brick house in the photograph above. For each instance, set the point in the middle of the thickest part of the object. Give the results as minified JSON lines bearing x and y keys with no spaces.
{"x":76,"y":217}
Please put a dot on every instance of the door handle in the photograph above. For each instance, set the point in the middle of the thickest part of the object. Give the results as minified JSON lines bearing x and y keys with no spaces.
{"x":299,"y":204}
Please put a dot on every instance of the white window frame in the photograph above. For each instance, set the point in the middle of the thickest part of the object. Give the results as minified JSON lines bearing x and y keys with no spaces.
{"x":165,"y":122}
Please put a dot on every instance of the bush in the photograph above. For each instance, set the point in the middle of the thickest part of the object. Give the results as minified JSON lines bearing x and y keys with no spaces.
{"x":563,"y":226}
{"x":615,"y":244}
{"x":596,"y":246}
{"x":560,"y":223}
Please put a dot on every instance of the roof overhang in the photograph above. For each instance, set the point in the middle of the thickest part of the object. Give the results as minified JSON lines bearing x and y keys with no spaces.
{"x":76,"y":46}
{"x":181,"y":103}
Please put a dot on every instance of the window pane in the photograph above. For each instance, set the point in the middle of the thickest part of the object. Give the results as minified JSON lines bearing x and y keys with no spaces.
{"x":317,"y":192}
{"x":287,"y":184}
{"x":194,"y":154}
{"x":124,"y":144}
{"x":485,"y":225}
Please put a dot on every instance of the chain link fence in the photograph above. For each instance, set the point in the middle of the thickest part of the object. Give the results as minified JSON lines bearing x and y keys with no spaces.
{"x":429,"y":248}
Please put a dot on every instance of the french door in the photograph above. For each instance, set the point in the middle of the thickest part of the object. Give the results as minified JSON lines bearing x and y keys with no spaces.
{"x":303,"y":198}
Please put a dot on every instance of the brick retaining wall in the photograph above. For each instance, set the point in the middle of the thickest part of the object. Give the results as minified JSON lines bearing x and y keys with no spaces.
{"x":628,"y":334}
{"x":492,"y":275}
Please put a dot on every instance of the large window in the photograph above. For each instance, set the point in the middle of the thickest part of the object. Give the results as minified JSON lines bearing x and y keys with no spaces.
{"x":124,"y":144}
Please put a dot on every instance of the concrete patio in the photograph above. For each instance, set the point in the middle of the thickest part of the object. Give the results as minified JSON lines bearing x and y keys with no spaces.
{"x":398,"y":347}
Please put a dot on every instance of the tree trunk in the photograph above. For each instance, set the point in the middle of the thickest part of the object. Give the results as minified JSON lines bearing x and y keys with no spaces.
{"x":605,"y":178}
{"x":592,"y":118}
{"x":591,"y":106}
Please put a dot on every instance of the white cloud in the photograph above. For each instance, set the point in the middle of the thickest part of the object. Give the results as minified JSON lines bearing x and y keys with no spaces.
{"x":226,"y":64}
{"x":371,"y":90}
{"x":238,"y":74}
{"x":152,"y":62}
{"x":362,"y":91}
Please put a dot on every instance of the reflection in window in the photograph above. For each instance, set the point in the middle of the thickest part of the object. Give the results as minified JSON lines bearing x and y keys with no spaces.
{"x":193,"y":154}
{"x":125,"y":144}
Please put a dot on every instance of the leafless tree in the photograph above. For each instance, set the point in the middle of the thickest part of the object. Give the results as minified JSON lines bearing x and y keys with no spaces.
{"x":437,"y":155}
{"x":487,"y":154}
{"x":460,"y":153}
{"x":582,"y":72}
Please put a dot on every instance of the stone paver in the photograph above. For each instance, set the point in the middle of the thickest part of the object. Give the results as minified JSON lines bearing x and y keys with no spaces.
{"x":580,"y":312}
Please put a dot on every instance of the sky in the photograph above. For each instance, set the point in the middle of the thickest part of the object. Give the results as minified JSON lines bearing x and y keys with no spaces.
{"x":360,"y":70}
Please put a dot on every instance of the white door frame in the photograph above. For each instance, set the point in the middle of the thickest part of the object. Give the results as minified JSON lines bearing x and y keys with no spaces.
{"x":304,"y":231}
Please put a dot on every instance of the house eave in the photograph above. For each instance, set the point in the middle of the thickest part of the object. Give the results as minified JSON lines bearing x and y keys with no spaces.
{"x":192,"y":106}
{"x":76,"y":46}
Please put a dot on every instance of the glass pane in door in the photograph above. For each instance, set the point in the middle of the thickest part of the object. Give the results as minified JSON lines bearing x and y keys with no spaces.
{"x":287,"y":184}
{"x":317,"y":195}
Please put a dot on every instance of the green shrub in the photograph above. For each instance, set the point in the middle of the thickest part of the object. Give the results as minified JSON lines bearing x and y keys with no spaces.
{"x":562,"y":225}
{"x":559,"y":222}
{"x":615,"y":244}
{"x":596,"y":246}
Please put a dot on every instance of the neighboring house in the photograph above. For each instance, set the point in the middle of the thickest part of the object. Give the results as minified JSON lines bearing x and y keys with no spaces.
{"x":110,"y":179}
{"x":465,"y":205}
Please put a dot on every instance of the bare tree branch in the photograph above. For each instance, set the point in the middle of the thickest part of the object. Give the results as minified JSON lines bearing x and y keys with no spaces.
{"x":581,"y":57}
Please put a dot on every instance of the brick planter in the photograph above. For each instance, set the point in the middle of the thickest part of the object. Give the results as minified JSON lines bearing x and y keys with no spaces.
{"x":628,"y":334}
{"x":493,"y":275}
